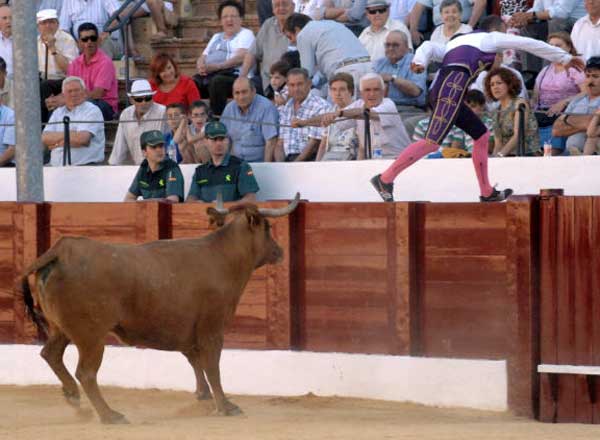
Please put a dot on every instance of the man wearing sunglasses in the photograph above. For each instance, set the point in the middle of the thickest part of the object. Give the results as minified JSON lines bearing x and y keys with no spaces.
{"x":224,"y":173}
{"x":148,"y":115}
{"x":97,"y":71}
{"x":373,"y":37}
{"x":158,"y":177}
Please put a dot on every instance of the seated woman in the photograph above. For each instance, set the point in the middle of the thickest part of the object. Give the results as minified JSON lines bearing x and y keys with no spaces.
{"x":554,"y":88}
{"x":170,"y":86}
{"x":219,"y":64}
{"x":451,"y":13}
{"x":503,"y":86}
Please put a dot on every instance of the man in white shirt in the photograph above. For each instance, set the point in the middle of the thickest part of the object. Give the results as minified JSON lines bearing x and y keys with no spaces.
{"x":7,"y":136}
{"x":586,"y":32}
{"x":86,"y":132}
{"x":373,"y":36}
{"x":388,"y":135}
{"x":149,"y":115}
{"x":6,"y":44}
{"x":56,"y":49}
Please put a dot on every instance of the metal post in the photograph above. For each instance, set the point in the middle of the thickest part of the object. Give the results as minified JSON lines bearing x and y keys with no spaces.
{"x":26,"y":99}
{"x":368,"y":152}
{"x":67,"y":141}
{"x":521,"y":142}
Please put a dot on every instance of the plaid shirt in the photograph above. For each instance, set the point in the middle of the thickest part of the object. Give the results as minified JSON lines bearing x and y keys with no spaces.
{"x":296,"y":139}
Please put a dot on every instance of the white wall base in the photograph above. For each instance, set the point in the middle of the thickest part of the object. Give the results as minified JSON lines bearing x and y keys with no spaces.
{"x":478,"y":384}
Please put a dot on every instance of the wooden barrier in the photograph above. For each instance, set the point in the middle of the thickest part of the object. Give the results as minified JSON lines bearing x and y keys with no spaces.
{"x":570,"y":306}
{"x":515,"y":281}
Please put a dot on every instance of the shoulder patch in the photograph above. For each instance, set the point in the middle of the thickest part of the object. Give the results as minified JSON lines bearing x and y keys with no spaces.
{"x":250,"y":172}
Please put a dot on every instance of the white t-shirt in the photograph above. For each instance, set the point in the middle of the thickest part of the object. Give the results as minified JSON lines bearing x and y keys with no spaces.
{"x":438,"y":34}
{"x":242,"y":40}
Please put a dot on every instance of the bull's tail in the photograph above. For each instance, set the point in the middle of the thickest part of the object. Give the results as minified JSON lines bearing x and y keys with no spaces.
{"x":44,"y":263}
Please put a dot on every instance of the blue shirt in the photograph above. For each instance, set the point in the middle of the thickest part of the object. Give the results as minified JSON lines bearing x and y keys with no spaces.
{"x":248,"y":135}
{"x":7,"y":134}
{"x":402,"y":70}
{"x":326,"y":43}
{"x":172,"y":148}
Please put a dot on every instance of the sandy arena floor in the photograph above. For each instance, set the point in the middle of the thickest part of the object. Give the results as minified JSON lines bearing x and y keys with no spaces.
{"x":39,"y":412}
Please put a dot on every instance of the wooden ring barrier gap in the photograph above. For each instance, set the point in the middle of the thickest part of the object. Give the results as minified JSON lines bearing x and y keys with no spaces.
{"x":512,"y":281}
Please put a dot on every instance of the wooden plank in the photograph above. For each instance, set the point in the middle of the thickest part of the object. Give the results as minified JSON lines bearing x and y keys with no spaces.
{"x":583,"y":303}
{"x":297,"y":274}
{"x":475,"y":268}
{"x":357,"y":241}
{"x":94,"y":215}
{"x":7,"y":331}
{"x":548,"y":233}
{"x":468,"y":216}
{"x":371,"y":216}
{"x":566,"y":315}
{"x":451,"y":242}
{"x":523,"y":305}
{"x":569,"y":369}
{"x":595,"y":288}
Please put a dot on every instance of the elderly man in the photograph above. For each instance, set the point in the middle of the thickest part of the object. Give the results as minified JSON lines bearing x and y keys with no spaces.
{"x":158,"y":176}
{"x":6,"y":44}
{"x":56,"y":50}
{"x":406,"y":88}
{"x":327,"y":47}
{"x":586,"y":32}
{"x":569,"y":131}
{"x":373,"y":37}
{"x":300,"y":144}
{"x":251,"y":121}
{"x":270,"y":43}
{"x":149,"y":115}
{"x":97,"y":71}
{"x":7,"y":132}
{"x":388,"y":135}
{"x":76,"y":12}
{"x":86,"y":138}
{"x":472,"y":12}
{"x":224,"y":173}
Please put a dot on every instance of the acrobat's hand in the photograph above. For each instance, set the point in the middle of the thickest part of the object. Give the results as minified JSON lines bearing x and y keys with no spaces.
{"x":576,"y":63}
{"x":417,"y":68}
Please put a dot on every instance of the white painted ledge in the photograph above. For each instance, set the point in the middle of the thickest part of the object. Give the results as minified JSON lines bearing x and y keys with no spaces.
{"x":478,"y":384}
{"x":588,"y":370}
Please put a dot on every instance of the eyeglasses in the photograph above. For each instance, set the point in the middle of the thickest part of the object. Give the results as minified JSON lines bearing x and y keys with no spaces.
{"x":146,"y":98}
{"x":153,"y":147}
{"x":377,"y":11}
{"x":218,"y":138}
{"x":391,"y":44}
{"x":92,"y":38}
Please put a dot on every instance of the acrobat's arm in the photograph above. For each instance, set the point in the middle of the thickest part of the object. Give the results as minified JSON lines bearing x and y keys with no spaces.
{"x":428,"y":52}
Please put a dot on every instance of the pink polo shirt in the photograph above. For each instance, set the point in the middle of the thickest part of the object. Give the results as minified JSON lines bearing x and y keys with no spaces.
{"x":99,"y":72}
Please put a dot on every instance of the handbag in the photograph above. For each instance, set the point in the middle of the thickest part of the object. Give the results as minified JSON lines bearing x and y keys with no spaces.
{"x":543,"y":119}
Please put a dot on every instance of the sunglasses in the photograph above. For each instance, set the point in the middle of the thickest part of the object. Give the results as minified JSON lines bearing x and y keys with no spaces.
{"x":92,"y":38}
{"x":377,"y":11}
{"x":218,"y":138}
{"x":146,"y":98}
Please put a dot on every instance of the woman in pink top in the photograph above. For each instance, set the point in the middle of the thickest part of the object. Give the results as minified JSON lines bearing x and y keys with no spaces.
{"x":555,"y":87}
{"x":170,"y":86}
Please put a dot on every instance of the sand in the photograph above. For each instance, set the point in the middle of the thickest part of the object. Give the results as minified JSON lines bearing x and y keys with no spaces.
{"x":40,"y":413}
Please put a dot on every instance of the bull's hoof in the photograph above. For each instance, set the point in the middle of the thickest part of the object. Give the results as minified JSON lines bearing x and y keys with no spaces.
{"x":230,"y":409}
{"x":115,"y":418}
{"x":72,"y":399}
{"x":204,"y":396}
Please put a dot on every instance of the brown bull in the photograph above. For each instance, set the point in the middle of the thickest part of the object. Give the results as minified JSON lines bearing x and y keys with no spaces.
{"x":175,"y":295}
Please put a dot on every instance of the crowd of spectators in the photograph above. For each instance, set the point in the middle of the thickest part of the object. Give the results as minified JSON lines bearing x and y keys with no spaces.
{"x":300,"y":88}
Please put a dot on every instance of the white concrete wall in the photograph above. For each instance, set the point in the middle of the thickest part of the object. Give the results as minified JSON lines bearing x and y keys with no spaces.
{"x":479,"y":384}
{"x":441,"y":180}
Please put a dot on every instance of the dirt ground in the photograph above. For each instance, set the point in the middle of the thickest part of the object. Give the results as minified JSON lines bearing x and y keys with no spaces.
{"x":39,"y":412}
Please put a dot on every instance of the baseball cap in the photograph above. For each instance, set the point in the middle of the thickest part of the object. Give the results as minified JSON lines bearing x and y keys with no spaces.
{"x":46,"y":14}
{"x":152,"y":137}
{"x":141,"y":87}
{"x":215,"y":129}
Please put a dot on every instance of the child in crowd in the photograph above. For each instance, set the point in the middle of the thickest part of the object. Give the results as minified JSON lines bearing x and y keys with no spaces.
{"x":475,"y":100}
{"x":277,"y":90}
{"x":175,"y":140}
{"x":199,"y":116}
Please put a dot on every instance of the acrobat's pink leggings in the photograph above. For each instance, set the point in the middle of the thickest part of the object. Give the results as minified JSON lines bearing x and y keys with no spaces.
{"x":418,"y":149}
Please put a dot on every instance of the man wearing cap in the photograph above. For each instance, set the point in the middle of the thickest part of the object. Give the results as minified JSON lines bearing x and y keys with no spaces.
{"x":328,"y":47}
{"x":147,"y":114}
{"x":224,"y":173}
{"x":56,"y":50}
{"x":158,"y":177}
{"x":373,"y":37}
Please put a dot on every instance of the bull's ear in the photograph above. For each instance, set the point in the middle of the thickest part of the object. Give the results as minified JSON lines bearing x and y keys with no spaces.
{"x":216,"y":218}
{"x":253,"y":217}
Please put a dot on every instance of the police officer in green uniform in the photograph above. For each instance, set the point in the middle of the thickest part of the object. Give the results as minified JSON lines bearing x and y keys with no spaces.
{"x":230,"y":175}
{"x":158,"y":177}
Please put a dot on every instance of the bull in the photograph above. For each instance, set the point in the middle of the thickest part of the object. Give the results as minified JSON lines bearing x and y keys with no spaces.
{"x":175,"y":295}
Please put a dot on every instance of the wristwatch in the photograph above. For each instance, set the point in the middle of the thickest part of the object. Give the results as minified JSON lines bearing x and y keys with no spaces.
{"x":534,"y":16}
{"x":393,"y":79}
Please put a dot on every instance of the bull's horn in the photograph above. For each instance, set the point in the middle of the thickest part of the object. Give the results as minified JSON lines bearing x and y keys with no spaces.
{"x":279,"y":212}
{"x":220,"y":208}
